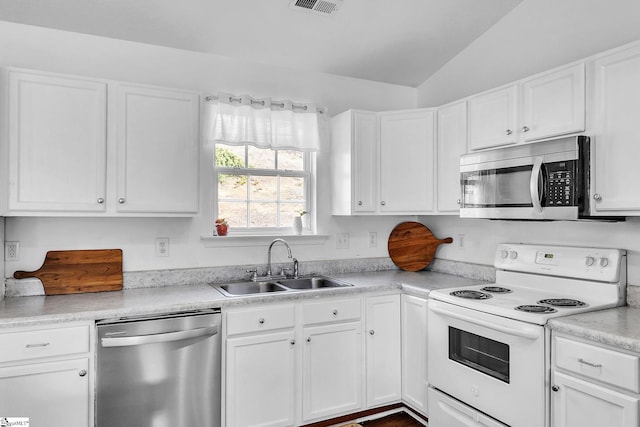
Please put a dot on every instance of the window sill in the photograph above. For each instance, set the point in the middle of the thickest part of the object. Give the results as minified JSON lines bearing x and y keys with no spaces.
{"x":240,"y":240}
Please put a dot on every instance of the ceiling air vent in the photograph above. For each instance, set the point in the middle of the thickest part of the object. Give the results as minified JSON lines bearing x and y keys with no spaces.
{"x":320,"y":7}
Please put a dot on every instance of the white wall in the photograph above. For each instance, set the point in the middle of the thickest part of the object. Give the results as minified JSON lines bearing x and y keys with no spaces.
{"x":537,"y":35}
{"x":65,"y":52}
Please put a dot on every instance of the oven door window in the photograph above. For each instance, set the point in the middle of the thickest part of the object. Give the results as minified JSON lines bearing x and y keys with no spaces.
{"x":497,"y":188}
{"x":482,"y":354}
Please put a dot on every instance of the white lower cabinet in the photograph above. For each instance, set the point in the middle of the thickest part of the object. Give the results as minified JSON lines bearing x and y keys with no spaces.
{"x":593,"y":385}
{"x":414,"y":353}
{"x":45,"y":375}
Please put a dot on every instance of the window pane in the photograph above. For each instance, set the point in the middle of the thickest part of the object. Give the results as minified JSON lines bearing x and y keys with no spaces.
{"x":234,"y":212}
{"x":229,"y":156}
{"x":288,"y":211}
{"x":261,"y":158}
{"x":290,"y":160}
{"x":291,"y":188}
{"x":232,"y":186}
{"x":264,"y":188}
{"x":264,"y":214}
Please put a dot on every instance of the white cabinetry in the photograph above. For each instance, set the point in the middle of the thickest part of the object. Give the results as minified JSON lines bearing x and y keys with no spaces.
{"x":593,"y":385}
{"x":616,"y":139}
{"x":46,"y":375}
{"x":383,"y":350}
{"x":542,"y":106}
{"x":414,"y":353}
{"x":260,"y":367}
{"x":383,"y":163}
{"x":332,"y":362}
{"x":451,"y":144}
{"x":78,"y":146}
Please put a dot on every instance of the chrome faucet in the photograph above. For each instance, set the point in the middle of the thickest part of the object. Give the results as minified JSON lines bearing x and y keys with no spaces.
{"x":269,"y":254}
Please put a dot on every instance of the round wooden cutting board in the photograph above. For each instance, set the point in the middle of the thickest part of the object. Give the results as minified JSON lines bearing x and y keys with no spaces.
{"x":412,"y":246}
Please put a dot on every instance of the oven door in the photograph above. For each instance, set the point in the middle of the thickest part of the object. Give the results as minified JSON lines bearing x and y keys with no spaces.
{"x":491,"y":363}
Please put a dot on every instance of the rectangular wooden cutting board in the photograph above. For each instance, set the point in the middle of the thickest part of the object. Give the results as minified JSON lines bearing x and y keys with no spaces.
{"x":78,"y":271}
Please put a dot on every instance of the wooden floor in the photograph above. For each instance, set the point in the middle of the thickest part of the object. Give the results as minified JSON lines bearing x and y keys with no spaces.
{"x":400,"y":419}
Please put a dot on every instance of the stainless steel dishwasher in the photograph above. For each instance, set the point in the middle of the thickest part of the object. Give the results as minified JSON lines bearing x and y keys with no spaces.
{"x":159,"y":371}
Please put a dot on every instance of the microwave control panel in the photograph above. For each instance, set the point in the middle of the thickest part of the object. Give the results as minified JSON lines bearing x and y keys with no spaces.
{"x":560,"y":184}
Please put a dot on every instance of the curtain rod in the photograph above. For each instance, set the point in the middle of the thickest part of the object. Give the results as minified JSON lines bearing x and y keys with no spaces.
{"x":210,"y":98}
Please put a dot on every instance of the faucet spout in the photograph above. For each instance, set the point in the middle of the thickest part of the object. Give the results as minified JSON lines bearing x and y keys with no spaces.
{"x":269,"y":253}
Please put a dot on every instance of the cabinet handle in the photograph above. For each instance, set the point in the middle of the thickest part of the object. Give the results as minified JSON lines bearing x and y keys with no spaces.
{"x":383,"y":203}
{"x":555,"y":388}
{"x":525,"y":129}
{"x":100,"y":200}
{"x":593,"y":365}
{"x":261,"y":321}
{"x":458,"y":201}
{"x":308,"y":339}
{"x":359,"y":202}
{"x":292,"y":342}
{"x":597,"y":197}
{"x":38,"y":345}
{"x":121,"y":200}
{"x":335,"y":312}
{"x":82,"y":373}
{"x":508,"y":132}
{"x":372,"y":332}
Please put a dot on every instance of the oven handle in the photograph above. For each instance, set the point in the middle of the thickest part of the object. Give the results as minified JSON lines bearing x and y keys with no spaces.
{"x":523,"y":332}
{"x":533,"y":185}
{"x":457,"y":415}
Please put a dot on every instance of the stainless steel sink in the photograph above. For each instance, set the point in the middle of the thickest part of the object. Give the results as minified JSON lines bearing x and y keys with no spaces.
{"x":314,"y":282}
{"x":247,"y":288}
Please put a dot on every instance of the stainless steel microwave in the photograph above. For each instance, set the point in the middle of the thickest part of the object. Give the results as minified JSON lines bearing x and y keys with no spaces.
{"x":541,"y":181}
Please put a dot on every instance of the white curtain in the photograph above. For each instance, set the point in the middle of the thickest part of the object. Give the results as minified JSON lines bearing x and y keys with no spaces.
{"x":265,"y":123}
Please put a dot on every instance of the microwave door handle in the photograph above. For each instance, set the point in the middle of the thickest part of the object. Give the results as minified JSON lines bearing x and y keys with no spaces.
{"x":533,"y":185}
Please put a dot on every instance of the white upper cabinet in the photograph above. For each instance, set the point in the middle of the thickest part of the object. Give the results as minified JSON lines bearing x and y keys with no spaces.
{"x":543,"y":106}
{"x":407,"y":160}
{"x":554,"y":103}
{"x":451,"y":144}
{"x":493,"y":118}
{"x":56,"y":143}
{"x":79,"y":147}
{"x":157,"y":150}
{"x":615,"y":139}
{"x":382,"y":163}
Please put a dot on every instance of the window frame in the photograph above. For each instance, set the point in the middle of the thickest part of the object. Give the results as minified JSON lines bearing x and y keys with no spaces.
{"x":309,"y":191}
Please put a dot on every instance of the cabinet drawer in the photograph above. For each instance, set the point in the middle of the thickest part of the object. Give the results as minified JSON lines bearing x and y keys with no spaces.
{"x":608,"y":366}
{"x":331,"y":311}
{"x":22,"y":345}
{"x":260,"y":319}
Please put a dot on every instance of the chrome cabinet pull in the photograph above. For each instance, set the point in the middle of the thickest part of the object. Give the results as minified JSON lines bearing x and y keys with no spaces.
{"x":100,"y":200}
{"x":261,"y":321}
{"x":597,"y":197}
{"x":335,"y":312}
{"x":383,"y":203}
{"x":508,"y":132}
{"x":359,"y":202}
{"x":593,"y":365}
{"x":308,"y":339}
{"x":525,"y":129}
{"x":292,"y":342}
{"x":121,"y":200}
{"x":82,"y":372}
{"x":38,"y":345}
{"x":372,"y":332}
{"x":555,"y":388}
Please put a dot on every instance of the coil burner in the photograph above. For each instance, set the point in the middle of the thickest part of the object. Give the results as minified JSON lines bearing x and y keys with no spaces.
{"x":535,"y":309}
{"x":470,"y":294}
{"x":562,"y":302}
{"x":496,"y":289}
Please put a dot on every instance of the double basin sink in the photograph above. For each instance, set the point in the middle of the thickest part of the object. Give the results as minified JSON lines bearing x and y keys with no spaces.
{"x":280,"y":285}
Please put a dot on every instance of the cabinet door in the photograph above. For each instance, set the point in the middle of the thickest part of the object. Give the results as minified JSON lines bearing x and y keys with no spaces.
{"x":157,"y":150}
{"x":54,"y":394}
{"x":383,"y":350}
{"x":414,"y":353}
{"x":332,"y":370}
{"x":407,"y":162}
{"x":260,"y":373}
{"x":554,"y":103}
{"x":57,"y":143}
{"x":578,"y":403}
{"x":451,"y":143}
{"x":365,"y":186}
{"x":616,"y":139}
{"x":492,"y":118}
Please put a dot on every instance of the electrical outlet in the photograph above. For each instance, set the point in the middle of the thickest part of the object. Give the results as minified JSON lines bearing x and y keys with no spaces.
{"x":342,"y":241}
{"x":11,"y":251}
{"x":461,"y":242}
{"x":162,"y":246}
{"x":373,"y":239}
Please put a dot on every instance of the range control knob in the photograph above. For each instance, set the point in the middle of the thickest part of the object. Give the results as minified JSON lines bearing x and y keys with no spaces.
{"x":589,"y":261}
{"x":504,"y":254}
{"x":513,"y":254}
{"x":604,"y":262}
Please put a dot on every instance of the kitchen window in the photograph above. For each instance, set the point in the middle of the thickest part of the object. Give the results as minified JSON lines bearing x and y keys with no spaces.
{"x":261,"y":189}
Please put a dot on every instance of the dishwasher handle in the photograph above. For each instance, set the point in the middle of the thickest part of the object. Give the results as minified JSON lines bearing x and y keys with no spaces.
{"x":158,"y":338}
